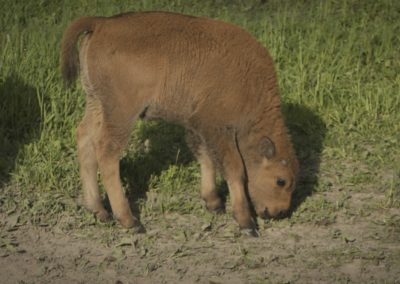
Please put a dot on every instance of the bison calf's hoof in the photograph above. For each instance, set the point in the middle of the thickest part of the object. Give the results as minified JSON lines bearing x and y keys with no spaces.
{"x":102,"y":216}
{"x":249,"y":229}
{"x":214,"y":204}
{"x":129,"y":222}
{"x":215,"y":207}
{"x":139,"y":228}
{"x":251,"y":232}
{"x":218,"y":210}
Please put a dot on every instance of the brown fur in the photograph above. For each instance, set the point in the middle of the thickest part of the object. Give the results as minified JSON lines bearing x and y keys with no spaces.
{"x":209,"y":76}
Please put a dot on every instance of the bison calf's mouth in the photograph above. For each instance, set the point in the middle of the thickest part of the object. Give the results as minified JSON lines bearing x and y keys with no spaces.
{"x":211,"y":77}
{"x":279,"y":214}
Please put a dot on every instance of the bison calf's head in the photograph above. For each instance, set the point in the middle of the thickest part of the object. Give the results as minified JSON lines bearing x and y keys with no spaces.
{"x":271,"y":180}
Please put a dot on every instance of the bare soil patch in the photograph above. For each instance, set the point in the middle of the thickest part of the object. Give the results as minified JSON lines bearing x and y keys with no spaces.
{"x":185,"y":249}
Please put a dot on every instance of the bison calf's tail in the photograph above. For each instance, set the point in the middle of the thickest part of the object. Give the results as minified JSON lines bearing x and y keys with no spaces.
{"x":69,"y":52}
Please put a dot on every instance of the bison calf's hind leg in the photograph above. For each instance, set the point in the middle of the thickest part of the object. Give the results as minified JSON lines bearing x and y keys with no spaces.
{"x":109,"y":146}
{"x":88,"y":167}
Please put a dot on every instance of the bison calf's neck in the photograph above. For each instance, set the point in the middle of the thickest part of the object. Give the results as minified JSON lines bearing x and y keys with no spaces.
{"x":211,"y":77}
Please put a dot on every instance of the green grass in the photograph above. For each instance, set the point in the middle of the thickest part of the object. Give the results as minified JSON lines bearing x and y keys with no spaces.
{"x":339,"y":74}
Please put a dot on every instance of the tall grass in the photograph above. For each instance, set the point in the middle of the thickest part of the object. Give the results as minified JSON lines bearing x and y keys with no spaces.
{"x":338,"y":59}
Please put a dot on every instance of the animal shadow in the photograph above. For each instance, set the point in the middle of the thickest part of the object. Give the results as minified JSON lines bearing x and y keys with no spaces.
{"x":156,"y":146}
{"x":19,"y":121}
{"x":308,"y":132}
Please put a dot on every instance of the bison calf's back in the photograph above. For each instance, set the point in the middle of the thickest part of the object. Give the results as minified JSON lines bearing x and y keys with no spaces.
{"x":209,"y":76}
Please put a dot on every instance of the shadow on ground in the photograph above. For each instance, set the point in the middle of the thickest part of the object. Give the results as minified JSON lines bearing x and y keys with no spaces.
{"x":162,"y":144}
{"x":308,"y":132}
{"x":19,"y":121}
{"x":159,"y":144}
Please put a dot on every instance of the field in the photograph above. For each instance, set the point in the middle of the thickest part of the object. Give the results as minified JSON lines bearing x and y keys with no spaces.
{"x":338,"y":63}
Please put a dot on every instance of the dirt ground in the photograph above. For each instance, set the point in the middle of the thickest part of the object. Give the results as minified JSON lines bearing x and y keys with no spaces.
{"x":185,"y":249}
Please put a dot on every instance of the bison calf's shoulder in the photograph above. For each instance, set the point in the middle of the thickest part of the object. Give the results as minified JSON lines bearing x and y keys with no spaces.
{"x":209,"y":76}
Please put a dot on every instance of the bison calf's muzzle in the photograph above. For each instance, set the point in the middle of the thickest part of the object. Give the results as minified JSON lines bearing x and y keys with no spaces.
{"x":211,"y":77}
{"x":277,"y":214}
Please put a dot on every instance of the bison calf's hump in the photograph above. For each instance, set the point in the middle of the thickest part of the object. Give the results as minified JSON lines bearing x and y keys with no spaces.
{"x":212,"y":77}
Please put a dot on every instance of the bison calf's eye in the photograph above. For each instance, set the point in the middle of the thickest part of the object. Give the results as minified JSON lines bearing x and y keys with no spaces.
{"x":281,"y":182}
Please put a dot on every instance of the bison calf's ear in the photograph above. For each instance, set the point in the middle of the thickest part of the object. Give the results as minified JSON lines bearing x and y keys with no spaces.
{"x":267,"y":148}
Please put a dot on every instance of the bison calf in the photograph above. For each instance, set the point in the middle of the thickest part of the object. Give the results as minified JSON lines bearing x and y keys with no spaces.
{"x":209,"y":76}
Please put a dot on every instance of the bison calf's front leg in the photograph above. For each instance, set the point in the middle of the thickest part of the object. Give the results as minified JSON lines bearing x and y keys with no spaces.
{"x":234,"y":175}
{"x":241,"y":208}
